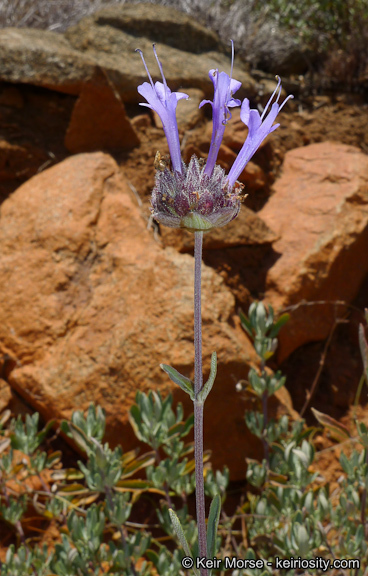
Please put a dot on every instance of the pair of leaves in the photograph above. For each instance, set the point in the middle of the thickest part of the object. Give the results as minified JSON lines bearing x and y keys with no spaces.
{"x":187,"y":385}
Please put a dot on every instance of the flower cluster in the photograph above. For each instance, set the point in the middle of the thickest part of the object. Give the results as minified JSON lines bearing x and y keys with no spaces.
{"x":200,"y":196}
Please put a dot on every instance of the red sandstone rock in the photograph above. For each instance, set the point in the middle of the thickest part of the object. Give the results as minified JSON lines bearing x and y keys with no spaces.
{"x":99,"y":121}
{"x":320,"y":210}
{"x":246,"y":230}
{"x":92,"y":305}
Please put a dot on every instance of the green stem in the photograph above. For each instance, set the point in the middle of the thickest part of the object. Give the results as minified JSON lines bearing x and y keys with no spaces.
{"x":198,"y":408}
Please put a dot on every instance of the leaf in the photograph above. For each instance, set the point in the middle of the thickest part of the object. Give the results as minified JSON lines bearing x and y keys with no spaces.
{"x":302,"y":540}
{"x":4,"y":417}
{"x":135,"y":420}
{"x":67,"y":474}
{"x":301,"y":455}
{"x":278,"y":325}
{"x":74,"y":489}
{"x":181,"y":536}
{"x":42,"y":435}
{"x":80,"y":437}
{"x":137,"y":464}
{"x":212,"y":524}
{"x":338,"y":430}
{"x":202,"y":394}
{"x":53,"y":458}
{"x":245,"y":323}
{"x":4,"y":444}
{"x":130,"y":456}
{"x":185,"y":383}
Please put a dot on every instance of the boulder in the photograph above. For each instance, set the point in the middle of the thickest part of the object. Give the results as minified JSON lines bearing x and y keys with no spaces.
{"x":43,"y":58}
{"x":102,"y":42}
{"x":99,"y":121}
{"x":246,"y":230}
{"x":92,"y":304}
{"x":159,"y":24}
{"x":319,"y":209}
{"x":188,"y":113}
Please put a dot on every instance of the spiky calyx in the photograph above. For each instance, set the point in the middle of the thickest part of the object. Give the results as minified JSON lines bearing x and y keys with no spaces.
{"x":192,"y":199}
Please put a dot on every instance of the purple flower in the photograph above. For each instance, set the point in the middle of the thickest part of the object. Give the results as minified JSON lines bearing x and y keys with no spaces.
{"x":164,"y":102}
{"x":259,"y":127}
{"x":200,"y":196}
{"x":224,"y":88}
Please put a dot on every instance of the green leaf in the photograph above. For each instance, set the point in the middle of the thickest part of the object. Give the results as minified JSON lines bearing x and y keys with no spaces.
{"x":181,"y":536}
{"x":213,"y":520}
{"x":185,"y":383}
{"x":278,"y":325}
{"x":138,"y":464}
{"x":53,"y":458}
{"x":245,"y":323}
{"x":303,"y":539}
{"x":202,"y":395}
{"x":337,"y":429}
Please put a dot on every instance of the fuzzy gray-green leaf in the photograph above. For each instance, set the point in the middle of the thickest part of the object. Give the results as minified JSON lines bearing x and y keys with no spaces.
{"x":202,"y":395}
{"x":213,"y":520}
{"x":185,"y":383}
{"x":181,"y":536}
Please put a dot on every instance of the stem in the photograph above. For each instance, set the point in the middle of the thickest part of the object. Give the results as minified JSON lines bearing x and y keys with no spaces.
{"x":198,"y":408}
{"x":166,"y":486}
{"x":266,"y":447}
{"x":111,"y":505}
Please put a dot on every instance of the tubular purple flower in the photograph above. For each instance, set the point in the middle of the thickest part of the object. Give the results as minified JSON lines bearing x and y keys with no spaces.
{"x":164,"y":102}
{"x":259,"y":127}
{"x":224,"y":88}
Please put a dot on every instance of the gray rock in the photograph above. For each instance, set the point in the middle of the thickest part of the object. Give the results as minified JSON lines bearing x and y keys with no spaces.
{"x":67,"y":62}
{"x":159,"y":24}
{"x":43,"y":58}
{"x":114,"y":50}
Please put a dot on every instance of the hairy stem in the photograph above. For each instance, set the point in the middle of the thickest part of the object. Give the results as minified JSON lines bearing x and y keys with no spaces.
{"x":198,"y":408}
{"x":266,"y":447}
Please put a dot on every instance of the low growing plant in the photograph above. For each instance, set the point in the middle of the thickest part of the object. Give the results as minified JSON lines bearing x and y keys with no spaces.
{"x":290,"y":522}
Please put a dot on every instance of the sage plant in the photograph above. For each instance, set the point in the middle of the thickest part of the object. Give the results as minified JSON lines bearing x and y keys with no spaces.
{"x":199,"y":197}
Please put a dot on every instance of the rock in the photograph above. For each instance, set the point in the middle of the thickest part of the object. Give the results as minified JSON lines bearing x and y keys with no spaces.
{"x":43,"y":58}
{"x":252,"y":176}
{"x":5,"y":395}
{"x":112,"y":46}
{"x":18,"y":162}
{"x":246,"y":230}
{"x":141,"y":121}
{"x":11,"y":97}
{"x":100,"y":42}
{"x":236,"y":131}
{"x":320,"y":210}
{"x":94,"y":305}
{"x":99,"y":121}
{"x":188,"y":113}
{"x":159,"y":24}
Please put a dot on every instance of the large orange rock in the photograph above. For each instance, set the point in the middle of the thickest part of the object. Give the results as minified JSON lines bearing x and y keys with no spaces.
{"x":320,"y":211}
{"x":92,"y":304}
